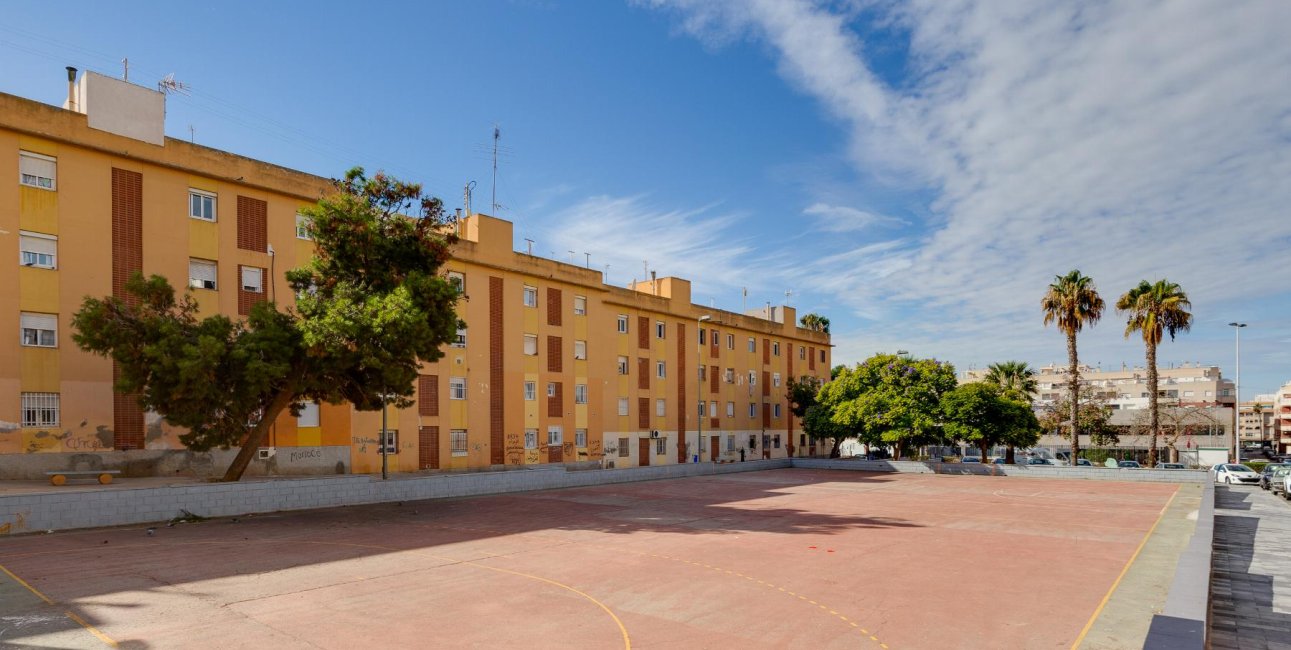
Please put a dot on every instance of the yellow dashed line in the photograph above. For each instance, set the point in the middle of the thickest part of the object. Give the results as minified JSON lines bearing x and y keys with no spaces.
{"x":835,"y":613}
{"x":852,"y":624}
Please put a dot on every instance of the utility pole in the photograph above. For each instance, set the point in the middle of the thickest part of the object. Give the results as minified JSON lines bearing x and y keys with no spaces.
{"x":497,"y":133}
{"x":1237,"y":389}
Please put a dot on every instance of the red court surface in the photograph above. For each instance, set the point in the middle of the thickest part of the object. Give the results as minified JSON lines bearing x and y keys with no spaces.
{"x":780,"y":558}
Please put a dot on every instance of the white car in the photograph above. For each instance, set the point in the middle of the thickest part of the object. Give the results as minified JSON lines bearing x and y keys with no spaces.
{"x":1233,"y":474}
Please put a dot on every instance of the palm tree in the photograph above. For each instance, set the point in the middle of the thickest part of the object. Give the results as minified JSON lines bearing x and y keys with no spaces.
{"x":1155,"y":309}
{"x":815,"y":322}
{"x":1017,"y":379}
{"x":1072,"y":301}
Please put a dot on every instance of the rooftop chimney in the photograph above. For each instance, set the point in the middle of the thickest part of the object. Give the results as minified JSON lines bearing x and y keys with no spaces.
{"x":71,"y":88}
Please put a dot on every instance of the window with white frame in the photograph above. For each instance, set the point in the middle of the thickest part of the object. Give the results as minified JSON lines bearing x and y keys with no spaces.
{"x":531,"y":296}
{"x":530,"y":438}
{"x":660,"y":407}
{"x":201,"y":205}
{"x":456,"y":388}
{"x":458,"y":280}
{"x":753,"y":410}
{"x":37,"y":170}
{"x":802,"y":353}
{"x":37,"y":250}
{"x":729,"y":376}
{"x":775,"y":379}
{"x":460,"y":341}
{"x":660,"y":329}
{"x":531,"y":345}
{"x":775,"y":348}
{"x":580,"y":350}
{"x":661,"y":369}
{"x":623,"y":406}
{"x":753,"y":345}
{"x":730,"y":409}
{"x":623,"y":324}
{"x":457,"y":441}
{"x":39,"y":330}
{"x":580,"y":306}
{"x":580,"y":437}
{"x":580,"y":393}
{"x":775,"y":410}
{"x":551,"y":389}
{"x":304,"y":227}
{"x":308,"y":415}
{"x":252,"y":279}
{"x":730,"y":341}
{"x":712,"y":409}
{"x":202,"y":274}
{"x":391,"y":440}
{"x":554,"y":436}
{"x":624,"y":450}
{"x":530,"y":391}
{"x":623,"y":365}
{"x":40,"y":410}
{"x":660,"y":446}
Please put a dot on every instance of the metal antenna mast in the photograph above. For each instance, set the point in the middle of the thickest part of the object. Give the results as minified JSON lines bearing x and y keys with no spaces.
{"x":497,"y":134}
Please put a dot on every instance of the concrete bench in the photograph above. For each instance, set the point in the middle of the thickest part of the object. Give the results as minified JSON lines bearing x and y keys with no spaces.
{"x":103,"y":475}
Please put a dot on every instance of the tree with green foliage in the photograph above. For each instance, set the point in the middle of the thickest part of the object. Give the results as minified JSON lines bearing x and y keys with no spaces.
{"x":818,"y":423}
{"x":1017,"y":379}
{"x":370,"y":307}
{"x":890,"y":400}
{"x":1155,"y":309}
{"x":836,"y":371}
{"x":984,"y":415}
{"x":1072,"y":302}
{"x":1094,"y":420}
{"x":814,"y":322}
{"x":801,"y":393}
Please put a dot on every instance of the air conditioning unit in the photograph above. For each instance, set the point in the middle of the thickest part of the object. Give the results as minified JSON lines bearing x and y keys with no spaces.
{"x":265,"y":453}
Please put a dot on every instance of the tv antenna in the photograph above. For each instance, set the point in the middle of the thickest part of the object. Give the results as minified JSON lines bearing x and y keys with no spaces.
{"x":466,"y":196}
{"x":497,"y":135}
{"x":192,"y":134}
{"x":168,"y":86}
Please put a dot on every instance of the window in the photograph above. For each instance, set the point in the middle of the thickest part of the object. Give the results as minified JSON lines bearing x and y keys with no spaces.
{"x":530,"y":296}
{"x":775,"y":441}
{"x":753,"y":378}
{"x":458,"y":280}
{"x":530,"y":438}
{"x":1186,"y":393}
{"x":580,"y":306}
{"x":802,"y":353}
{"x":623,"y":324}
{"x":660,"y":407}
{"x":753,"y":441}
{"x":202,"y":274}
{"x":457,"y":442}
{"x":554,"y":436}
{"x":624,"y":451}
{"x":201,"y":205}
{"x":712,"y":409}
{"x":702,"y":331}
{"x":701,"y":408}
{"x":308,"y":415}
{"x":753,"y":410}
{"x":730,"y":409}
{"x":730,"y":442}
{"x":703,"y":374}
{"x":730,"y":341}
{"x":530,"y":391}
{"x":580,"y":393}
{"x":580,"y":437}
{"x":661,"y":369}
{"x":39,"y":410}
{"x":37,"y":250}
{"x":775,"y":348}
{"x":753,"y":345}
{"x":531,"y":345}
{"x":775,"y":379}
{"x":660,"y":446}
{"x":304,"y":228}
{"x":822,"y":355}
{"x":660,"y":329}
{"x":623,"y":365}
{"x":39,"y":330}
{"x":551,"y":389}
{"x":729,"y":376}
{"x":35,"y":170}
{"x":580,"y":350}
{"x":456,"y":388}
{"x":460,"y":341}
{"x":252,"y":279}
{"x":623,"y":406}
{"x":775,"y":410}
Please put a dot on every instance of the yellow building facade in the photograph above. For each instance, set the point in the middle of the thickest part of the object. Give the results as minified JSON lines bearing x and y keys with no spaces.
{"x":554,"y":366}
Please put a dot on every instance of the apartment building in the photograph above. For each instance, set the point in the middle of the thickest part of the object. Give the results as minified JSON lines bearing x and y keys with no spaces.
{"x":1189,"y":384}
{"x":1282,"y":422}
{"x":554,"y":365}
{"x":1257,"y":421}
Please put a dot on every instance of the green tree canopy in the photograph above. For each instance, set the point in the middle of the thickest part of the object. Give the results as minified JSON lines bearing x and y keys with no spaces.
{"x":1072,"y":302}
{"x":814,"y":322}
{"x":1094,"y":420}
{"x":802,"y":394}
{"x":890,"y":400}
{"x":984,"y":415}
{"x":818,"y":423}
{"x":1154,"y":309}
{"x":370,"y":308}
{"x":1016,"y":378}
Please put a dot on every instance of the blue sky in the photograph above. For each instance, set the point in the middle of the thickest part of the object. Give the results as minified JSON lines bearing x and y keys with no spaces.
{"x":917,"y":171}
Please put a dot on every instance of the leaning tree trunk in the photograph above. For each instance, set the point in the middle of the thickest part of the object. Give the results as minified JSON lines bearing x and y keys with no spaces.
{"x":248,"y":451}
{"x":1075,"y":397}
{"x":1154,"y":421}
{"x":834,"y":452}
{"x":1009,"y":455}
{"x":984,"y":447}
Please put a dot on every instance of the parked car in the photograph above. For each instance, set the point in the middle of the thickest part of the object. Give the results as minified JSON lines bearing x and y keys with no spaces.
{"x":1040,"y":461}
{"x":999,"y":461}
{"x":971,"y":459}
{"x":1278,"y":480}
{"x":1266,"y":476}
{"x":1129,"y":464}
{"x":1236,"y":474}
{"x":1083,"y":462}
{"x":1172,"y":466}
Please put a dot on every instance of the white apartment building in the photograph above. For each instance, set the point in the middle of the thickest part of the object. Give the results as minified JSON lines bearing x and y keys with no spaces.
{"x":1190,"y":384}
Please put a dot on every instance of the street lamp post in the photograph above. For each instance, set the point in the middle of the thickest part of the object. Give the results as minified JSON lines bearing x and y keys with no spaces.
{"x":1237,"y":388}
{"x":699,"y":386}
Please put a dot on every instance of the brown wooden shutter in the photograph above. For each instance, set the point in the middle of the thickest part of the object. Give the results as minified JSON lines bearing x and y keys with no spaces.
{"x":766,"y":416}
{"x":555,"y":403}
{"x":643,"y":332}
{"x":643,"y":372}
{"x":497,"y":387}
{"x":555,"y":356}
{"x":553,"y":307}
{"x":428,"y":395}
{"x":127,"y":259}
{"x":428,"y":447}
{"x":253,"y":224}
{"x":811,"y":358}
{"x":766,"y":350}
{"x":713,"y":349}
{"x":766,"y":383}
{"x":681,"y":393}
{"x":643,"y":413}
{"x":712,"y":378}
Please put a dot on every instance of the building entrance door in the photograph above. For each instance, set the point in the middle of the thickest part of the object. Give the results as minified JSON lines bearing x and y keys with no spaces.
{"x":713,"y":442}
{"x":643,"y":450}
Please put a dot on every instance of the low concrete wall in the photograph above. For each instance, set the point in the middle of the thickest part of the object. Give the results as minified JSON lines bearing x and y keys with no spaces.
{"x":1184,"y":622}
{"x":1033,"y":471}
{"x":55,"y":510}
{"x":288,"y":461}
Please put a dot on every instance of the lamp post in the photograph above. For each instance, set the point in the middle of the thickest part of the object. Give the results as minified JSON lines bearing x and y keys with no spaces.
{"x":699,"y":385}
{"x":1237,"y":387}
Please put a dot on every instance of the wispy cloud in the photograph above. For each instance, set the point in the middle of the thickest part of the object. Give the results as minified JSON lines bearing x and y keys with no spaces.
{"x":841,"y":218}
{"x":1131,"y":139}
